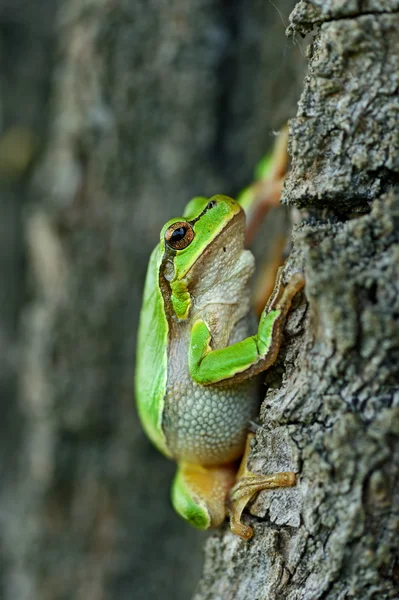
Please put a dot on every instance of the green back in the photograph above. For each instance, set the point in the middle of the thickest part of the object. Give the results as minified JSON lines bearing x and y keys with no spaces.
{"x":151,"y":366}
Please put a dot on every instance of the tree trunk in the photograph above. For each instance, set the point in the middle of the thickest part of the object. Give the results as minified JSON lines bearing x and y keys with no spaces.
{"x":334,"y":416}
{"x":137,"y":106}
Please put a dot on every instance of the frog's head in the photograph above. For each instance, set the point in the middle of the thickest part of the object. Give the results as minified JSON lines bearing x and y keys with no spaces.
{"x":201,"y":246}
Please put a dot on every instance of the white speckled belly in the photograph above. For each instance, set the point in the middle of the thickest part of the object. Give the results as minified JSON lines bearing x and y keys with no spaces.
{"x":208,"y":424}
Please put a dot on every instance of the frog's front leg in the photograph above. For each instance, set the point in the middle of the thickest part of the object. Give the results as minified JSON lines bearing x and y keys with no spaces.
{"x":248,"y":484}
{"x":249,"y":357}
{"x":199,"y":494}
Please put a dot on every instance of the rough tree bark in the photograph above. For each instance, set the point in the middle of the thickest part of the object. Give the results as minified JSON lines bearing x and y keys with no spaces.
{"x":334,"y":415}
{"x":139,"y":105}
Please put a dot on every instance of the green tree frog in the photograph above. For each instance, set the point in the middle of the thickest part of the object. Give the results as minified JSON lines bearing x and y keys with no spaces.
{"x":197,"y":360}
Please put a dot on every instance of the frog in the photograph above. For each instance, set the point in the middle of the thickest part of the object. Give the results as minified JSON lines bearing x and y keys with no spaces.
{"x":198,"y":359}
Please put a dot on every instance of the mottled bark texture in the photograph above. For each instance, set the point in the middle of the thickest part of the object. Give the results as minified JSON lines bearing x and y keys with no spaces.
{"x":139,"y":105}
{"x":333,"y":416}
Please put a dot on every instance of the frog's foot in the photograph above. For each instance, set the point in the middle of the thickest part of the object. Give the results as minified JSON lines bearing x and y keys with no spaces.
{"x":199,"y":493}
{"x":273,"y":318}
{"x":243,"y":492}
{"x":248,"y":484}
{"x":294,"y":285}
{"x":282,"y":296}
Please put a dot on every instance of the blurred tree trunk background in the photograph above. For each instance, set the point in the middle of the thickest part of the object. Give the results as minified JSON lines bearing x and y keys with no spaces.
{"x":113,"y":115}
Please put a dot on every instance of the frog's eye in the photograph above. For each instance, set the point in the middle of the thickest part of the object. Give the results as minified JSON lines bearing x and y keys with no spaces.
{"x":179,"y":235}
{"x":211,"y":204}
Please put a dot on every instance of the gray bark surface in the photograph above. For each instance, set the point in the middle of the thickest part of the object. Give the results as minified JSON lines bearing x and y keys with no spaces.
{"x":331,"y":412}
{"x":138,"y":106}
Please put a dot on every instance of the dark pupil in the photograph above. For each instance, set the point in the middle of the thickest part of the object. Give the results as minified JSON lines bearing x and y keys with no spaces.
{"x":178,"y":234}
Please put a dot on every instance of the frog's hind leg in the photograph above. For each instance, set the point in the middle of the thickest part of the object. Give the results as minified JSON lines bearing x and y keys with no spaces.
{"x":199,"y":493}
{"x":257,"y":200}
{"x":248,"y":484}
{"x":264,"y":194}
